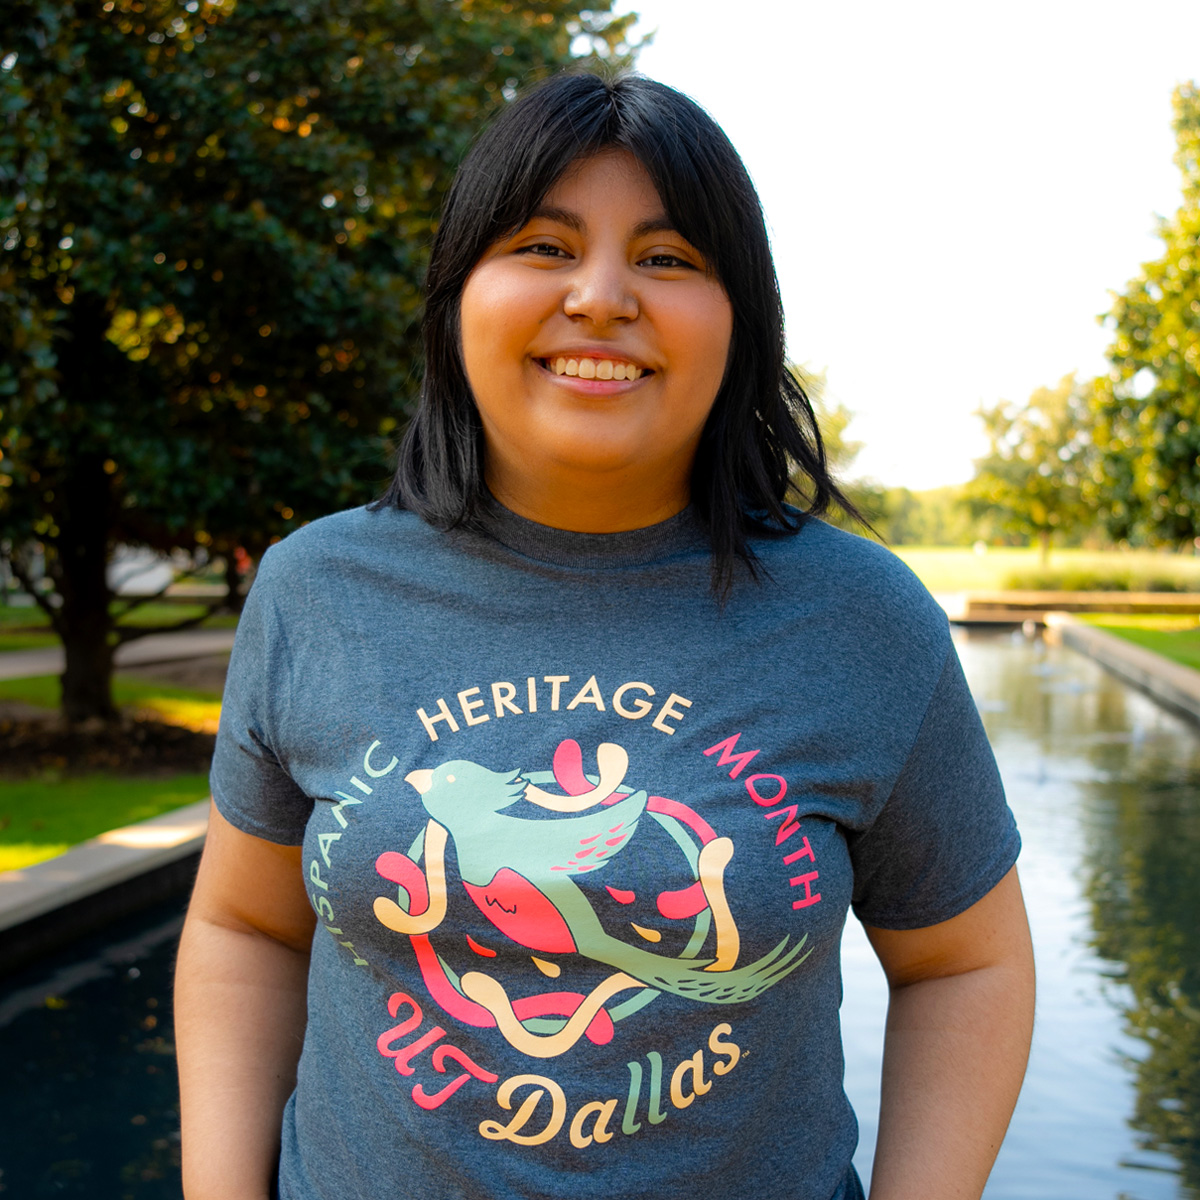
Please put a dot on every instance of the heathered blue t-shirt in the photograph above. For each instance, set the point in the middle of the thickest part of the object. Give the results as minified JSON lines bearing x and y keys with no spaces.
{"x":581,"y":845}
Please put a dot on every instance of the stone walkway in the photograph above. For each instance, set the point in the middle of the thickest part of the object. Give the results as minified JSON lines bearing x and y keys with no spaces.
{"x":1170,"y":683}
{"x":156,"y":648}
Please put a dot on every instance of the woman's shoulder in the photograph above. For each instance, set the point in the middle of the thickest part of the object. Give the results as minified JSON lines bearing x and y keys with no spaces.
{"x":864,"y":582}
{"x":847,"y":560}
{"x":340,"y":536}
{"x":331,"y":551}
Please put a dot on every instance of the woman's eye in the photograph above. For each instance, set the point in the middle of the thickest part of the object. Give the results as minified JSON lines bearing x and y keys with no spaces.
{"x":543,"y":250}
{"x":665,"y":261}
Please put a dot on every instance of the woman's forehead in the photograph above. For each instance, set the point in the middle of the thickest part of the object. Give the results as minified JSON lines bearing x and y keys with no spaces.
{"x":599,"y":181}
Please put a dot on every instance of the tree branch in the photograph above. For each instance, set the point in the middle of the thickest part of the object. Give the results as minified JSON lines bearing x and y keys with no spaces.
{"x":134,"y":602}
{"x":131,"y":633}
{"x":24,"y":579}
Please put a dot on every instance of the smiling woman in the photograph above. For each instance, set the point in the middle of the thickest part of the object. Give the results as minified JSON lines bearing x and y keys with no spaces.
{"x":594,"y":340}
{"x":583,"y":698}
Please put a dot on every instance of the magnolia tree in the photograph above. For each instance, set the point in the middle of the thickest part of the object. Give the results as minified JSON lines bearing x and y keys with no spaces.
{"x":1147,"y":410}
{"x":214,"y":218}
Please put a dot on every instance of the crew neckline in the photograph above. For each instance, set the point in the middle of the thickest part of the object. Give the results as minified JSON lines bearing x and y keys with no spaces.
{"x":570,"y":548}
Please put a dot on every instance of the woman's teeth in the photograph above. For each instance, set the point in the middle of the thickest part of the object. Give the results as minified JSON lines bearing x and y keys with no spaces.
{"x":594,"y":368}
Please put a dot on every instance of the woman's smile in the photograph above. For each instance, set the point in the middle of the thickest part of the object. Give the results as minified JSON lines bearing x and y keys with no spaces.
{"x":582,"y":367}
{"x":595,"y":339}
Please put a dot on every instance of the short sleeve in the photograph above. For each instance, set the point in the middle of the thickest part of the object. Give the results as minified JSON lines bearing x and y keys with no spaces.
{"x":250,"y":786}
{"x":946,"y":835}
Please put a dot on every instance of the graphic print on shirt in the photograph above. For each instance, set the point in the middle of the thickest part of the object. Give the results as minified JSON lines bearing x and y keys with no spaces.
{"x":552,"y":912}
{"x":522,"y":874}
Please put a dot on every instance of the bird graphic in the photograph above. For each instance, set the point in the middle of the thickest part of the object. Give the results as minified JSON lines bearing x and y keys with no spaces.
{"x":521,"y":873}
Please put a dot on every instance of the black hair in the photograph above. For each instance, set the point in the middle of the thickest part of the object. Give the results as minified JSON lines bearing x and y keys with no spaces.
{"x":761,"y":429}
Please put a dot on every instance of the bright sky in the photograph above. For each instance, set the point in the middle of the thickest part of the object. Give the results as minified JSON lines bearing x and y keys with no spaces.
{"x":952,"y":188}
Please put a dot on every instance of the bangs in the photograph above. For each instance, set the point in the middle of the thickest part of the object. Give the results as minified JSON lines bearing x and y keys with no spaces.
{"x":698,"y":175}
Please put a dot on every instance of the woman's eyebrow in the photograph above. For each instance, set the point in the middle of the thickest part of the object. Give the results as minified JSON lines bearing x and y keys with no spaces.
{"x":659,"y":223}
{"x":560,"y":216}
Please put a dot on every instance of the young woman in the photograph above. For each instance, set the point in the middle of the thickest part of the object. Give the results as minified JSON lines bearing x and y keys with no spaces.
{"x":544,"y":785}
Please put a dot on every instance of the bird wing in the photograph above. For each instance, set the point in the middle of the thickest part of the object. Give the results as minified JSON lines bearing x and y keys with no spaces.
{"x":576,"y":845}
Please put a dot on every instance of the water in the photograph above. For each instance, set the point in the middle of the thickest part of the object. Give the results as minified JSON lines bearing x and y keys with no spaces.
{"x":1106,"y":788}
{"x":89,"y":1105}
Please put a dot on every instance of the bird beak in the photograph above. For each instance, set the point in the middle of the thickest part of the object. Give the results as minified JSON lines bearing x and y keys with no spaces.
{"x":421,"y":780}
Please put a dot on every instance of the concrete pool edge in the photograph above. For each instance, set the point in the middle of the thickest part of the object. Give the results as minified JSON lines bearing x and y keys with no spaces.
{"x":54,"y":901}
{"x":1173,"y":685}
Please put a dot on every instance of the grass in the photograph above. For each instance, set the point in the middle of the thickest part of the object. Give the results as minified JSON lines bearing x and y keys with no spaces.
{"x":960,"y":569}
{"x":45,"y":816}
{"x":1174,"y":637}
{"x":29,"y":628}
{"x":189,"y":707}
{"x":25,"y":641}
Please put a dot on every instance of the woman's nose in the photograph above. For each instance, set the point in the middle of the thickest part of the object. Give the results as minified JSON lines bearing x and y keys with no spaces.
{"x":601,"y":291}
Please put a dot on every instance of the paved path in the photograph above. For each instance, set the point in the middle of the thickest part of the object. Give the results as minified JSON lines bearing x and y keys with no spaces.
{"x":156,"y":648}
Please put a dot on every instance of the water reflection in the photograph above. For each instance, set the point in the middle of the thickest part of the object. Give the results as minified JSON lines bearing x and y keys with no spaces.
{"x":1143,"y":850}
{"x":1106,"y":787}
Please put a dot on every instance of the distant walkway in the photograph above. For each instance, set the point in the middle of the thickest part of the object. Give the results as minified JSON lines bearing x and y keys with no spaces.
{"x":155,"y":648}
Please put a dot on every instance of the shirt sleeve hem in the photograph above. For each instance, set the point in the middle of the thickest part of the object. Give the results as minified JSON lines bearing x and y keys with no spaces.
{"x":280,"y":835}
{"x":996,"y":871}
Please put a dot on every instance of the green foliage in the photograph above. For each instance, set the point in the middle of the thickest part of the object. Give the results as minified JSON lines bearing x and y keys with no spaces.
{"x":990,"y":568}
{"x":1083,"y":579}
{"x":1147,"y":410}
{"x":214,"y":218}
{"x":129,"y":690}
{"x":1174,"y":637}
{"x":1030,"y":481}
{"x":840,"y":453}
{"x":933,"y":517}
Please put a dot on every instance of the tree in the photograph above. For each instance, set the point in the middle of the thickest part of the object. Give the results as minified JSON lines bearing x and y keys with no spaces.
{"x":1030,"y":481}
{"x":1148,"y":407}
{"x":840,"y":452}
{"x":213,"y":224}
{"x":932,"y":517}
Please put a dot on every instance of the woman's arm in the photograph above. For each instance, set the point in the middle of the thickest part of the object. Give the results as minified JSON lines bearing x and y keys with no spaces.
{"x":959,"y":1023}
{"x":239,"y":1010}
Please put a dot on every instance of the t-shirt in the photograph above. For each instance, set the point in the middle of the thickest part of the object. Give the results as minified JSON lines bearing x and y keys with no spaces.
{"x":581,"y":843}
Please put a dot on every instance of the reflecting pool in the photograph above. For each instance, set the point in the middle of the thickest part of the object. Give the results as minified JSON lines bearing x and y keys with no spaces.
{"x":1106,"y":788}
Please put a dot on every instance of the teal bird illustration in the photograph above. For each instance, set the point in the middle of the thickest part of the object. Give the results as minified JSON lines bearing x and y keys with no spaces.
{"x":521,"y":874}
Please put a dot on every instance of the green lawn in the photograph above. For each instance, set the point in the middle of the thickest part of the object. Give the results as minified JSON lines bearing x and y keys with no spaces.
{"x":175,"y":705}
{"x":1174,"y":637}
{"x":29,"y":628}
{"x":25,"y":641}
{"x":960,"y":569}
{"x":44,"y":817}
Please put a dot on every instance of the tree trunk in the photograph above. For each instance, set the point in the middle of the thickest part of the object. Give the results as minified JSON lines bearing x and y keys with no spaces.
{"x":234,"y":600}
{"x":1044,"y":542}
{"x":82,"y":578}
{"x":81,"y":544}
